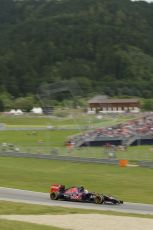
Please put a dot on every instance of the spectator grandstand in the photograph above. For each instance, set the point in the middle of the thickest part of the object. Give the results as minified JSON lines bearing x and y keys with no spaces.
{"x":133,"y":132}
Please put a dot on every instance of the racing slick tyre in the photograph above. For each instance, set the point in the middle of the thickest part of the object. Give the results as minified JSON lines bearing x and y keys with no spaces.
{"x":54,"y":196}
{"x":98,"y":199}
{"x":117,"y":202}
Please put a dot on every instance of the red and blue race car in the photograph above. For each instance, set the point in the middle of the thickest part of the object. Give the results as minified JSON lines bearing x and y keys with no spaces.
{"x":59,"y":192}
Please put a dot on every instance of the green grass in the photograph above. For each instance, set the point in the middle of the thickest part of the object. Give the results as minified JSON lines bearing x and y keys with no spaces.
{"x":131,"y":184}
{"x":76,"y":119}
{"x":19,"y":225}
{"x":133,"y":153}
{"x":34,"y":120}
{"x":8,"y":208}
{"x":36,"y":138}
{"x":45,"y":141}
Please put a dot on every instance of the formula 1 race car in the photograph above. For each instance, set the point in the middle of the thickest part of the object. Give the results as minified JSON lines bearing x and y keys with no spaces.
{"x":59,"y":192}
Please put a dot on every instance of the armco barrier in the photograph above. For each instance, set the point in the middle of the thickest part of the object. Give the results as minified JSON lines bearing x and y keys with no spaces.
{"x":147,"y":164}
{"x":62,"y":158}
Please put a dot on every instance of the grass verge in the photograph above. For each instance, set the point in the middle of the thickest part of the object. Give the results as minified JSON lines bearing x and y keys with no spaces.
{"x":13,"y":208}
{"x":18,"y":225}
{"x":131,"y":184}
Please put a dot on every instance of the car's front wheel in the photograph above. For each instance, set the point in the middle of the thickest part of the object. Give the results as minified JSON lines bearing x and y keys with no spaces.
{"x":98,"y":199}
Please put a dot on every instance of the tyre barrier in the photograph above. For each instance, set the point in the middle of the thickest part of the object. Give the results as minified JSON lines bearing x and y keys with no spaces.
{"x":147,"y":164}
{"x":62,"y":158}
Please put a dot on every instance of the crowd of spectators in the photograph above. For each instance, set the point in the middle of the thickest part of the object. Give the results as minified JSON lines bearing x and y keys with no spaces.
{"x":139,"y":127}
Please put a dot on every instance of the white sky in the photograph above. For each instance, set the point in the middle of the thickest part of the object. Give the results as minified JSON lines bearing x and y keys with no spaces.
{"x":142,"y":0}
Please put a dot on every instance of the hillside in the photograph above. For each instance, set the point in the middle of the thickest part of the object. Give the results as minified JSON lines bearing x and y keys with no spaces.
{"x":105,"y":45}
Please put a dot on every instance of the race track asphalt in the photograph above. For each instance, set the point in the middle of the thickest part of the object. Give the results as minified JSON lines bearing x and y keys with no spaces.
{"x":25,"y":196}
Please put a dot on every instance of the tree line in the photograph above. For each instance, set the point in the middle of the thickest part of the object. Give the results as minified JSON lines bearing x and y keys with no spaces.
{"x":106,"y":46}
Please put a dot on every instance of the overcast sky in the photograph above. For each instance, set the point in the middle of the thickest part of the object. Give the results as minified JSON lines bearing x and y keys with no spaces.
{"x":142,"y":0}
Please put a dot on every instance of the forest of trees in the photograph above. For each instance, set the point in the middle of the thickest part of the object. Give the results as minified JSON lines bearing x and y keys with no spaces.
{"x":105,"y":45}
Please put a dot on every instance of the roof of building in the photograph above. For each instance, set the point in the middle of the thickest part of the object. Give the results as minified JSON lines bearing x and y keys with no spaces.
{"x":127,"y":100}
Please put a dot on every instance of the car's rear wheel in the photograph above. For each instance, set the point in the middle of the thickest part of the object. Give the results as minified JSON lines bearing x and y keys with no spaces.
{"x":54,"y":196}
{"x":98,"y":199}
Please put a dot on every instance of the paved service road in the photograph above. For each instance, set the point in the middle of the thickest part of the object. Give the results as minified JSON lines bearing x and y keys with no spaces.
{"x":25,"y":196}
